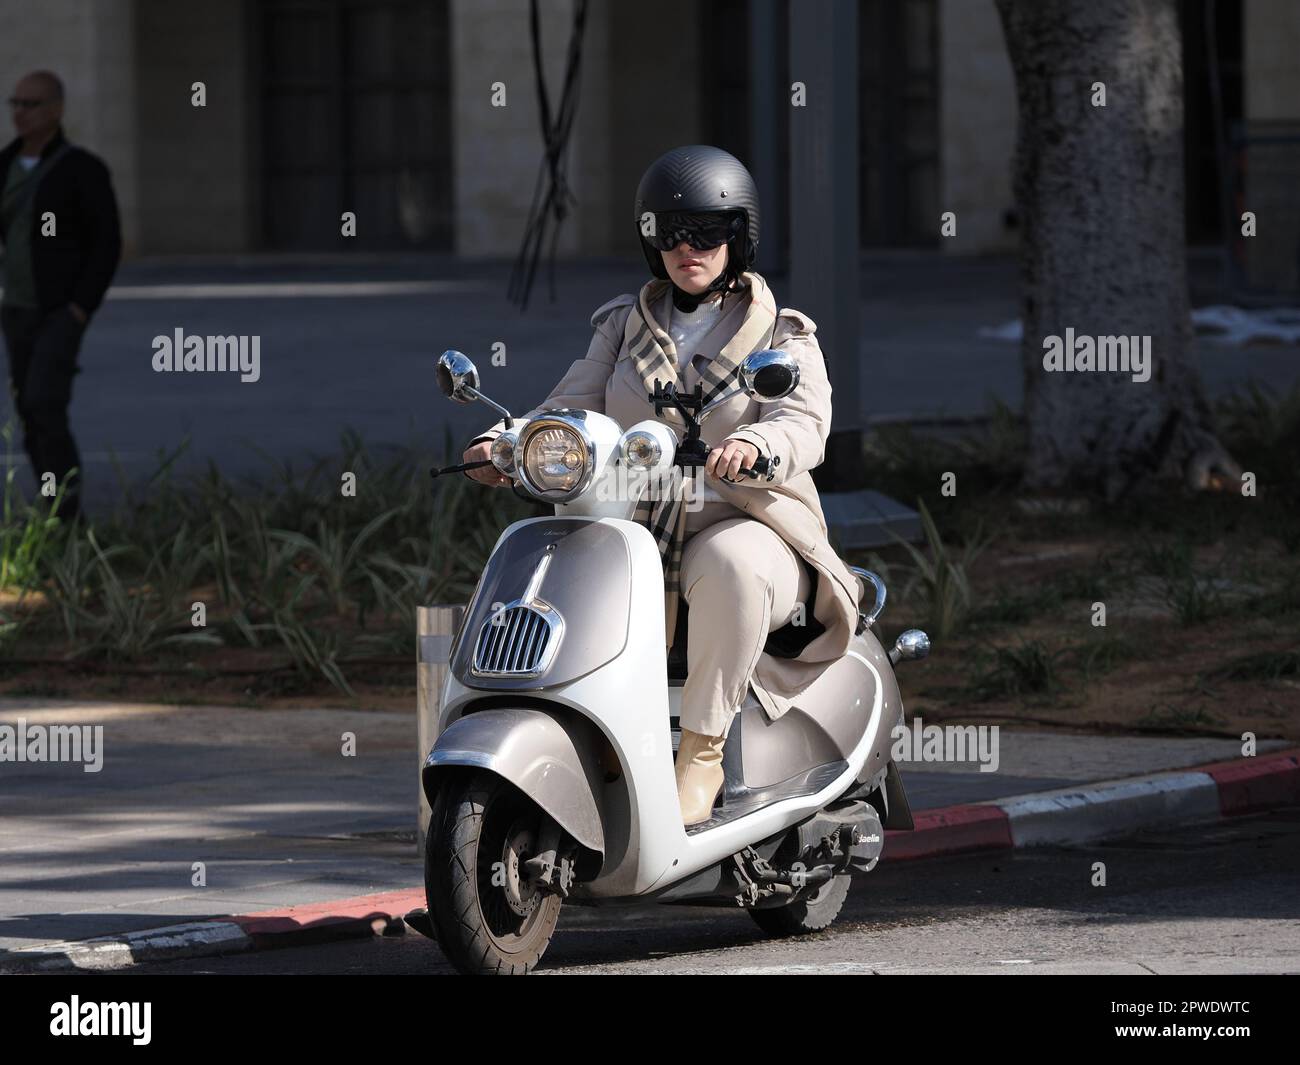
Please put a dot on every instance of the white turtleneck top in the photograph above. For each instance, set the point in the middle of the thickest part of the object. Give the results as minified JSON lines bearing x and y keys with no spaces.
{"x":687,"y":328}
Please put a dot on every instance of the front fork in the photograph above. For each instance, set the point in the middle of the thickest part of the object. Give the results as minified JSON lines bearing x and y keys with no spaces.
{"x":551,"y":869}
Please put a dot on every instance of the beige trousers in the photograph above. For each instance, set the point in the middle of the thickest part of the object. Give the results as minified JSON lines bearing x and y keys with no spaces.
{"x":741,"y":581}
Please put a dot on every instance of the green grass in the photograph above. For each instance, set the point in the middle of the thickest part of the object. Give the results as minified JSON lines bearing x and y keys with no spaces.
{"x":1259,"y":665}
{"x":287,"y":564}
{"x":1195,"y":600}
{"x":283,"y":562}
{"x":1177,"y":718}
{"x":28,"y":531}
{"x":940,"y":577}
{"x":1029,"y":668}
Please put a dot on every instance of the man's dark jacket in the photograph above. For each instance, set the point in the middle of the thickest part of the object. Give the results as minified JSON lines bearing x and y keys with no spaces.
{"x":77,"y":265}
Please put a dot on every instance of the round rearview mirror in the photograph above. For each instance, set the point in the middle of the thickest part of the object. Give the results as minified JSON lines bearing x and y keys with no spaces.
{"x":456,"y":375}
{"x":769,"y":375}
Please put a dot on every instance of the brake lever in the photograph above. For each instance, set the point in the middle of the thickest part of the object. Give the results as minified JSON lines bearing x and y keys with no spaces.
{"x":436,"y":471}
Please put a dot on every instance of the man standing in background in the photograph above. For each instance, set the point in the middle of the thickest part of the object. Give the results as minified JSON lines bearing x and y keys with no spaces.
{"x":62,"y":242}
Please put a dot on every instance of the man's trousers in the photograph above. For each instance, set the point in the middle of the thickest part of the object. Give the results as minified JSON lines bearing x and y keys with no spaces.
{"x":42,"y":351}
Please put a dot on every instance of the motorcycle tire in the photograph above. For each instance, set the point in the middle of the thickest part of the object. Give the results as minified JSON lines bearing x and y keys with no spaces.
{"x":808,"y":915}
{"x":473,"y":841}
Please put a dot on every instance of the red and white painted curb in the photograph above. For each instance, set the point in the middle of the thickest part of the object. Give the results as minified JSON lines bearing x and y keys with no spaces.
{"x":316,"y":922}
{"x":1066,"y":815}
{"x":1106,"y":808}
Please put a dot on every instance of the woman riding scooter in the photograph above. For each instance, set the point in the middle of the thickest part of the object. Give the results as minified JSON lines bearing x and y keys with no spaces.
{"x":748,"y":556}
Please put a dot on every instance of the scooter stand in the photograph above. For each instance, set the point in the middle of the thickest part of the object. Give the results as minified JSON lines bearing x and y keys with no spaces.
{"x":759,"y":880}
{"x":420,"y":920}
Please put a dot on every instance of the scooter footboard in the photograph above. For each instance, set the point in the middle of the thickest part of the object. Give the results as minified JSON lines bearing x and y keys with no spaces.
{"x":543,"y":755}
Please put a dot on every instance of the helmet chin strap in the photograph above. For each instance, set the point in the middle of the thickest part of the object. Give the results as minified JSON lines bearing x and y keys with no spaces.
{"x":688,"y":301}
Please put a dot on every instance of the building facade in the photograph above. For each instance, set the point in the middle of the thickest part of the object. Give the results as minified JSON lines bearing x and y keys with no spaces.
{"x":422,"y":116}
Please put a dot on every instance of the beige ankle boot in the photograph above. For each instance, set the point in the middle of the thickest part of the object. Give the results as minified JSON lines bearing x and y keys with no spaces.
{"x":699,"y":775}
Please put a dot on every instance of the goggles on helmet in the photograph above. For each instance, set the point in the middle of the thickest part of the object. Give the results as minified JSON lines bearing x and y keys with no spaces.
{"x":703,"y":231}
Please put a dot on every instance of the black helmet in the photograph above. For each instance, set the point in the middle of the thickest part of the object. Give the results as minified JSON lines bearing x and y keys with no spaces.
{"x":700,"y":178}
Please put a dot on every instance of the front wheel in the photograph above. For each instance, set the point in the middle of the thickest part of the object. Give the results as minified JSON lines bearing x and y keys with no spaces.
{"x":489,"y":919}
{"x":807,"y":915}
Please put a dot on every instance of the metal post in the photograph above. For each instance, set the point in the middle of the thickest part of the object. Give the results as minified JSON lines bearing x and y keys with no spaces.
{"x":824,"y":252}
{"x":435,"y":628}
{"x":766,"y":155}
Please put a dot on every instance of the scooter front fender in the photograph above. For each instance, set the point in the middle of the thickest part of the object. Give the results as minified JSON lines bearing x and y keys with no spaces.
{"x":546,"y":756}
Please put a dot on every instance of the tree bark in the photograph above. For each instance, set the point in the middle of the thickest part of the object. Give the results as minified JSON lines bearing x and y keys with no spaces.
{"x":1100,"y":194}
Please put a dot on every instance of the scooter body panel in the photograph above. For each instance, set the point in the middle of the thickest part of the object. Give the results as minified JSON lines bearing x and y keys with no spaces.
{"x":626,"y":697}
{"x":539,"y":752}
{"x":697,"y":850}
{"x":833,"y":736}
{"x":578,"y":571}
{"x":828,"y":721}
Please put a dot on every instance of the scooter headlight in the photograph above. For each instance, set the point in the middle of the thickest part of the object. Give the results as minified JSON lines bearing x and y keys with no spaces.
{"x":641,"y":450}
{"x":556,"y":459}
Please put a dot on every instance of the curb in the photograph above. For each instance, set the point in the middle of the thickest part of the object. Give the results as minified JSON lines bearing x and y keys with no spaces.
{"x":1105,"y":808}
{"x":295,"y":926}
{"x":1066,"y":815}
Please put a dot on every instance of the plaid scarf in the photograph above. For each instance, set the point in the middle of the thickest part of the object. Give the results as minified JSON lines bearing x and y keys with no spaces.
{"x":654,"y":355}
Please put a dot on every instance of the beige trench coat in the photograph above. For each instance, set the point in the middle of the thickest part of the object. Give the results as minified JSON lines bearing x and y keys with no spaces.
{"x":795,"y":428}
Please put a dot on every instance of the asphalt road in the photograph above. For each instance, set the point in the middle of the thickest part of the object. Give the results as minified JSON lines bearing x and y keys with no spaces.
{"x":1221,"y":898}
{"x":351,"y":341}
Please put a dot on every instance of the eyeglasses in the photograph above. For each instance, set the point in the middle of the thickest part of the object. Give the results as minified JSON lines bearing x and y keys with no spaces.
{"x":27,"y":103}
{"x":703,"y":230}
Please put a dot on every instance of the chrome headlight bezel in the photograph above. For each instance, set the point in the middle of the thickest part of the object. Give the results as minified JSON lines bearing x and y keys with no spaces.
{"x":565,"y":420}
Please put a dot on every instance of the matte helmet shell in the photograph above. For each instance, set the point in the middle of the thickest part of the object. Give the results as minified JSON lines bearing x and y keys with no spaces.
{"x":699,"y":177}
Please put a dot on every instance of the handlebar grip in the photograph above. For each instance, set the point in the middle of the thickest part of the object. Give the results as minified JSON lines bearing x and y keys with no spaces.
{"x":762,"y":465}
{"x":763,"y":468}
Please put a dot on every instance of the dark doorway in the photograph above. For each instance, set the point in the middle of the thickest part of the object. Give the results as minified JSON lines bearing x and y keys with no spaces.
{"x":356,"y":116}
{"x":724,"y":70}
{"x":727,"y":88}
{"x":1221,"y":37}
{"x":898,"y":79}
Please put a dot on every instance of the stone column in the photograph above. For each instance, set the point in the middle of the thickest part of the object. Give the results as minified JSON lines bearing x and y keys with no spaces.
{"x":92,"y":49}
{"x":824,"y":251}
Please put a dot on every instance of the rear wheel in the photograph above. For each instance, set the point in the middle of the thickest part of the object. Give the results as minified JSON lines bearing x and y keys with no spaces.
{"x":807,"y":915}
{"x":489,"y":918}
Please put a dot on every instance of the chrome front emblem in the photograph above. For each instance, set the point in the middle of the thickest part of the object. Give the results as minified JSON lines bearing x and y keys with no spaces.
{"x":521,"y":638}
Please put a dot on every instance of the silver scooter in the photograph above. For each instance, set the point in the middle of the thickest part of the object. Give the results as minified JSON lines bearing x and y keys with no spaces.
{"x":551,"y":776}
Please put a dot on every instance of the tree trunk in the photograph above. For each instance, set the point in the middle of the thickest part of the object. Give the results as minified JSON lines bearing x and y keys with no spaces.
{"x":1100,"y":194}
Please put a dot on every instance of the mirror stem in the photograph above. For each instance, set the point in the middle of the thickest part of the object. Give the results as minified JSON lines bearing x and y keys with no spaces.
{"x":476,"y":394}
{"x":718,"y":402}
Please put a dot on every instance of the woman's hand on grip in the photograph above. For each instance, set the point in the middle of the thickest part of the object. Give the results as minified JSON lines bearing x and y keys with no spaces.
{"x":488,"y":475}
{"x":727,"y":459}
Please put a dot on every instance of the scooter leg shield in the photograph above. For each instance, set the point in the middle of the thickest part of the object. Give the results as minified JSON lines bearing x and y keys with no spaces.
{"x":549,"y":757}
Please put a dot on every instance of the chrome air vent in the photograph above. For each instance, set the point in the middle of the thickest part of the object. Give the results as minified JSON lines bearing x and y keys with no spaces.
{"x":518,"y":640}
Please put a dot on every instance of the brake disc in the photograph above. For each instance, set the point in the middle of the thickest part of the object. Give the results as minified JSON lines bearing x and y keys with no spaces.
{"x":521,"y":896}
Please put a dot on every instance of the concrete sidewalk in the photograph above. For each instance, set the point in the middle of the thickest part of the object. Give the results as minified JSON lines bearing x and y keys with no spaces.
{"x":350,"y":341}
{"x":265,"y":799}
{"x":283,"y":820}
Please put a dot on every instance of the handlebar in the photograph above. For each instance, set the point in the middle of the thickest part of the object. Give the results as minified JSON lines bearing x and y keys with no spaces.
{"x":763,"y":468}
{"x":438,"y":471}
{"x":762,"y":465}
